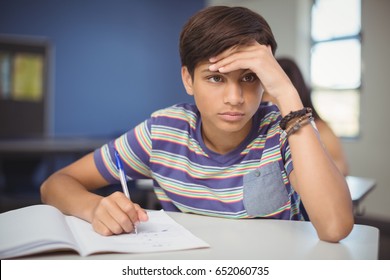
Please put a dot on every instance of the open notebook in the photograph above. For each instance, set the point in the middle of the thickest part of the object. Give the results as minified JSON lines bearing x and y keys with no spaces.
{"x":43,"y":228}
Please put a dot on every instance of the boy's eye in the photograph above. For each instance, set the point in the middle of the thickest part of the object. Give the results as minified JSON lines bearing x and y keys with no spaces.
{"x":251,"y":77}
{"x":215,"y":79}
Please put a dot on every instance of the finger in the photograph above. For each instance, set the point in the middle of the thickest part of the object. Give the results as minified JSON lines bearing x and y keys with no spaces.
{"x":129,"y":208}
{"x":236,"y":49}
{"x":125,"y":205}
{"x":222,"y":62}
{"x":104,"y":224}
{"x":232,"y":63}
{"x":112,"y":216}
{"x":224,"y":54}
{"x":244,"y":59}
{"x":101,"y":228}
{"x":124,"y":214}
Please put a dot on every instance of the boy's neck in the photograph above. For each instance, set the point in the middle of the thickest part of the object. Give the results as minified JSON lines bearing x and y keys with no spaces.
{"x":223,"y":143}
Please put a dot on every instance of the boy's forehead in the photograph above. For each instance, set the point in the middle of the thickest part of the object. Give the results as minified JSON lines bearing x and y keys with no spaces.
{"x":202,"y":65}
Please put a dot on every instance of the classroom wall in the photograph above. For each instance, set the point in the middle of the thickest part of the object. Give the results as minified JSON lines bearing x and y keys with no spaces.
{"x":368,"y":154}
{"x":114,"y":62}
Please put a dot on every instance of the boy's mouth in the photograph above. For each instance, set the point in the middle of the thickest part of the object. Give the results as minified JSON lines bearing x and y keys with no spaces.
{"x":232,"y":116}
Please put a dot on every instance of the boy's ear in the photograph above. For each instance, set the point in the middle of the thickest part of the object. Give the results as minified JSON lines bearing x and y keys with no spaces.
{"x":187,"y":80}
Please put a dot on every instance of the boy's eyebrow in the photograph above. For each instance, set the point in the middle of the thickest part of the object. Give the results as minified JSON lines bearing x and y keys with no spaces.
{"x":206,"y":70}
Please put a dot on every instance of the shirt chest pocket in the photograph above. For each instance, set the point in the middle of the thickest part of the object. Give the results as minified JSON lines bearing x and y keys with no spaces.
{"x":264,"y":190}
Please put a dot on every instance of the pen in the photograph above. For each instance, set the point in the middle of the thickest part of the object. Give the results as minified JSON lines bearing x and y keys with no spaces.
{"x":122,"y":177}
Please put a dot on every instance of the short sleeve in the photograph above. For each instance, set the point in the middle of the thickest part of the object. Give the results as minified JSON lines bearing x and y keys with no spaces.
{"x":134,"y":148}
{"x":286,"y":155}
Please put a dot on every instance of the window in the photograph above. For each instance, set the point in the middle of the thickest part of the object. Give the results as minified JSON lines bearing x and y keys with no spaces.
{"x":336,"y":64}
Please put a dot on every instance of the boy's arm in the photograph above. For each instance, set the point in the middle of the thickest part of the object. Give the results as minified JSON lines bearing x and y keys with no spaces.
{"x":315,"y":177}
{"x":69,"y":189}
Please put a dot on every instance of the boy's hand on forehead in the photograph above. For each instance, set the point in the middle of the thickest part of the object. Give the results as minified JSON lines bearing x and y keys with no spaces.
{"x":236,"y":57}
{"x":257,"y":58}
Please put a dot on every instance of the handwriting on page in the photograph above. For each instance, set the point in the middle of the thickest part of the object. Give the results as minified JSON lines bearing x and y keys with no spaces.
{"x":159,"y":233}
{"x":151,"y":235}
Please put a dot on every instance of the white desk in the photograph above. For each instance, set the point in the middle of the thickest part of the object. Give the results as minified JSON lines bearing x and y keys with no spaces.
{"x":256,"y":239}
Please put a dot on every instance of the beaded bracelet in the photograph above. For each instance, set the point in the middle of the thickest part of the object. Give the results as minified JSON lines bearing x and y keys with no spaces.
{"x":292,"y":115}
{"x":297,"y":125}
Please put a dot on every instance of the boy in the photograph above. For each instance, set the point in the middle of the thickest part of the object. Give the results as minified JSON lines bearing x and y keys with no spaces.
{"x":225,"y":156}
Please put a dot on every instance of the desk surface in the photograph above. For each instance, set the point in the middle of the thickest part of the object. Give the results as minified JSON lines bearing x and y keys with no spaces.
{"x":256,"y":239}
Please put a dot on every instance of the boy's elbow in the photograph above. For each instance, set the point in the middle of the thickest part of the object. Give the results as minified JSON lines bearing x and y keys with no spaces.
{"x":336,"y":231}
{"x":43,"y":192}
{"x":45,"y":189}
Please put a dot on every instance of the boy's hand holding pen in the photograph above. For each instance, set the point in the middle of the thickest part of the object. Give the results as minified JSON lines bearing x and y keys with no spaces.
{"x":125,"y":189}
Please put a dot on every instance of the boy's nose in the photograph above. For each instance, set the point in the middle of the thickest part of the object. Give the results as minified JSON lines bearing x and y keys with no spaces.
{"x":233,"y":94}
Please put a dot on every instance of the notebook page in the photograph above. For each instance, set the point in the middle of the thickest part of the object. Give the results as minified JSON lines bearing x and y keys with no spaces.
{"x":33,"y":229}
{"x":160,"y":233}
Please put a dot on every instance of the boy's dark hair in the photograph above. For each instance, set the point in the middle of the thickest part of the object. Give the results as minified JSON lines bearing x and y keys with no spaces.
{"x":217,"y":28}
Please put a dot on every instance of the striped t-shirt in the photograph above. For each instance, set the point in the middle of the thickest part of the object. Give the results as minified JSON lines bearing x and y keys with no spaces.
{"x":250,"y":181}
